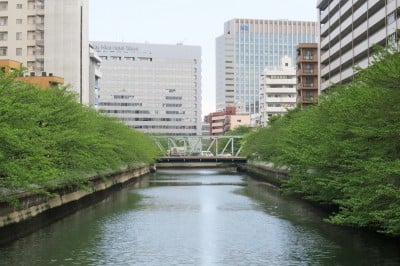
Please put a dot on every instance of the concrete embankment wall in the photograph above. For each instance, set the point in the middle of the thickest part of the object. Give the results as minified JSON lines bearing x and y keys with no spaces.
{"x":265,"y":172}
{"x":36,"y":211}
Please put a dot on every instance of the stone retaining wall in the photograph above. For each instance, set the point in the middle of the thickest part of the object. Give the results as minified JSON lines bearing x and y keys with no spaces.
{"x":36,"y":211}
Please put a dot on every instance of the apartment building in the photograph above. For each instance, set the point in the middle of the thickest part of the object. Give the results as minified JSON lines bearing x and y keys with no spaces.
{"x":246,"y":48}
{"x":277,"y":90}
{"x":49,"y":38}
{"x":348,"y":30}
{"x":307,"y":74}
{"x":155,"y":88}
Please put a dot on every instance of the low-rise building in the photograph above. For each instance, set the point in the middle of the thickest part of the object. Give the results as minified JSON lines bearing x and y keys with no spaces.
{"x":226,"y":120}
{"x":43,"y":81}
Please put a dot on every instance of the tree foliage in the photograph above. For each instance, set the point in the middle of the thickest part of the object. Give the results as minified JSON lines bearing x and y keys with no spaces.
{"x":48,"y":139}
{"x":346,"y":150}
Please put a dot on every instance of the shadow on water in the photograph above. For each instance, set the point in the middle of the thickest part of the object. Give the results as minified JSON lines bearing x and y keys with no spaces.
{"x":353,"y":246}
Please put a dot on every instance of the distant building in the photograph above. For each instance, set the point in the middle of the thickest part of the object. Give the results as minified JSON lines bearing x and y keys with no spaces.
{"x":348,"y":31}
{"x":44,"y":81}
{"x":154,"y":88}
{"x":246,"y":48}
{"x":277,"y":90}
{"x":226,"y":120}
{"x":205,"y":128}
{"x":307,"y":74}
{"x":49,"y":38}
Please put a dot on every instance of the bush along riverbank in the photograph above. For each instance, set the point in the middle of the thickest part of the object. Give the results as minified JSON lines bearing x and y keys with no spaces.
{"x":48,"y":140}
{"x":345,"y":151}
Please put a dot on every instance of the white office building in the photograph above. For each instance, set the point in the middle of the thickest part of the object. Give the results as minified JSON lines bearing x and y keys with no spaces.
{"x":348,"y":30}
{"x":246,"y":48}
{"x":49,"y":38}
{"x":277,"y":90}
{"x":152,"y":87}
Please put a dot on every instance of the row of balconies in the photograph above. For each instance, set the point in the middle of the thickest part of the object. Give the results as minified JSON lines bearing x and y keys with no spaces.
{"x":357,"y":34}
{"x":331,"y":16}
{"x":361,"y":48}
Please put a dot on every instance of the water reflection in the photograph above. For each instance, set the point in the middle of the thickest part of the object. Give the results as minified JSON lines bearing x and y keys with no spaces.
{"x":199,"y":217}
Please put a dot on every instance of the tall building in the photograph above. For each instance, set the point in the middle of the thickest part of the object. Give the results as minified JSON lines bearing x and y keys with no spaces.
{"x":348,"y":31}
{"x":152,"y":87}
{"x":246,"y":48}
{"x":307,"y":73}
{"x":48,"y":37}
{"x":277,"y":90}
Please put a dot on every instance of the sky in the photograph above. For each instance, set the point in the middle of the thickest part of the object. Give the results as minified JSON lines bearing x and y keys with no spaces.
{"x":191,"y":22}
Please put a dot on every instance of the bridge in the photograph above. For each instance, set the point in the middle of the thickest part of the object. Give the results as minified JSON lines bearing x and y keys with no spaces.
{"x":199,"y":151}
{"x":194,"y":145}
{"x":200,"y":161}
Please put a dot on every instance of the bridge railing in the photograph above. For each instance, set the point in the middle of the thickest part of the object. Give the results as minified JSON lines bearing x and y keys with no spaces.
{"x":195,"y":145}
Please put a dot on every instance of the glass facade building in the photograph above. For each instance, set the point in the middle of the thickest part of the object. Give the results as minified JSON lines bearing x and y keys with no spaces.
{"x":246,"y":48}
{"x":153,"y":88}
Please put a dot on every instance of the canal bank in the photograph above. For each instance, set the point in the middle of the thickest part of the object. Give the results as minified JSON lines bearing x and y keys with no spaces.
{"x":264,"y":171}
{"x":36,"y":211}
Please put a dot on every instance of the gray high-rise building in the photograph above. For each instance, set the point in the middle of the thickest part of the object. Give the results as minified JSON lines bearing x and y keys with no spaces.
{"x":246,"y":48}
{"x":151,"y":87}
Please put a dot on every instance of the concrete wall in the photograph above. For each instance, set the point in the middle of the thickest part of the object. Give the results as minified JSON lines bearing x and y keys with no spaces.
{"x":36,"y":211}
{"x":265,"y":172}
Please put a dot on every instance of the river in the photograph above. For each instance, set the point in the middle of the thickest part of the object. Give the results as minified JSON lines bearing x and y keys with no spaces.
{"x":200,"y":217}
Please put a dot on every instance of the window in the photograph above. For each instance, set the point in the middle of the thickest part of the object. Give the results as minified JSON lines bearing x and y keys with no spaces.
{"x":19,"y":36}
{"x":3,"y":36}
{"x":19,"y":6}
{"x":31,"y":20}
{"x":31,"y":50}
{"x":308,"y":55}
{"x":18,"y":21}
{"x":308,"y":68}
{"x":18,"y":52}
{"x":391,"y":17}
{"x":31,"y":65}
{"x":3,"y":5}
{"x":3,"y":21}
{"x":31,"y":35}
{"x":3,"y":51}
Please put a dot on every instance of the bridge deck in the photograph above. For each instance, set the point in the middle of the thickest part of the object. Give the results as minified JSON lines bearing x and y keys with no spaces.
{"x":202,"y":159}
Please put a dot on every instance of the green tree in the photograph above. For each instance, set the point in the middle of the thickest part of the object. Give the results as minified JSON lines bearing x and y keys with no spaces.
{"x":346,"y":150}
{"x":47,"y":139}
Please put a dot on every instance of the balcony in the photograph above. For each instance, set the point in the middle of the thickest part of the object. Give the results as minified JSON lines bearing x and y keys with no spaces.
{"x":39,"y":42}
{"x":39,"y":8}
{"x":307,"y":86}
{"x":307,"y":72}
{"x":40,"y":27}
{"x":308,"y":99}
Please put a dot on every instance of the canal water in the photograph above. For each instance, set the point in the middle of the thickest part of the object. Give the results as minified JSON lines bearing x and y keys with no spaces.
{"x":199,"y":217}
